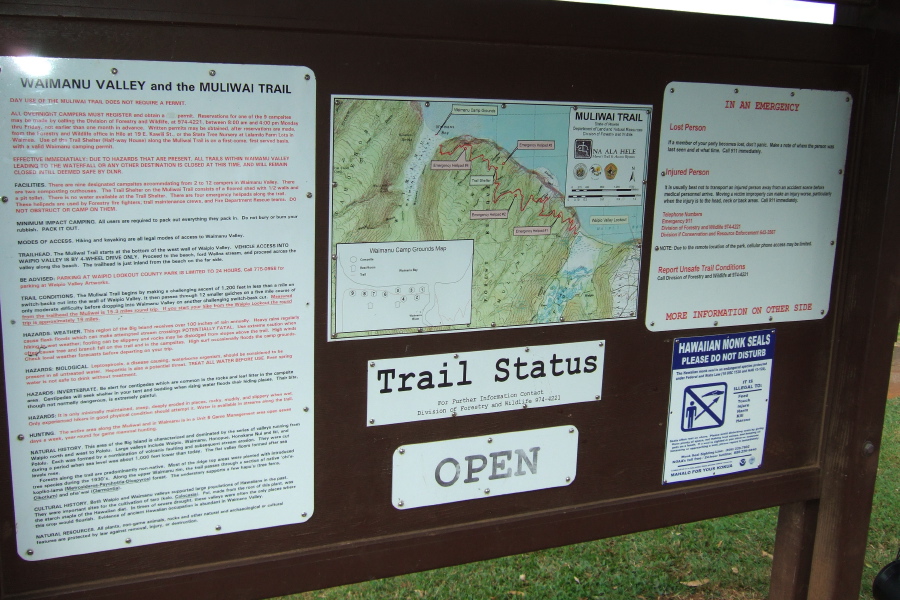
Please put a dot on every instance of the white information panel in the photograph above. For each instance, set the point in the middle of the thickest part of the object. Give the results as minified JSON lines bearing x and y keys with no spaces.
{"x":747,"y":205}
{"x":480,"y":467}
{"x":420,"y":388}
{"x":718,"y":404}
{"x":496,"y":213}
{"x":157,"y":297}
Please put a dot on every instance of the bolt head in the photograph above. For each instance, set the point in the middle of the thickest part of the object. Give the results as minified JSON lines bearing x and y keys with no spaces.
{"x":218,"y":528}
{"x":303,"y":515}
{"x":402,"y":451}
{"x":568,"y":479}
{"x":309,"y":194}
{"x":371,"y":421}
{"x":114,"y":71}
{"x":212,"y":72}
{"x":20,"y":437}
{"x":127,"y":540}
{"x":399,"y":502}
{"x":487,"y":491}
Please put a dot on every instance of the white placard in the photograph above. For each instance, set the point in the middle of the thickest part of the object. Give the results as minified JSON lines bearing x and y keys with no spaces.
{"x":538,"y":207}
{"x":480,"y":467}
{"x":747,"y":205}
{"x":438,"y":386}
{"x":157,"y":294}
{"x":718,"y":404}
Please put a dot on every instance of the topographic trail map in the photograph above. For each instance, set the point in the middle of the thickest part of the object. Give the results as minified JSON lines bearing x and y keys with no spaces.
{"x":469,"y":214}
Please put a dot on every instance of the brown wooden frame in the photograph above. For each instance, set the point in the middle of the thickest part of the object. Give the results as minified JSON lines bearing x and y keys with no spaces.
{"x":829,"y":379}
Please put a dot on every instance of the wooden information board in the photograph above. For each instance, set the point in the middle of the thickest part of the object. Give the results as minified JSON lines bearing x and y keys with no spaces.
{"x":355,"y":291}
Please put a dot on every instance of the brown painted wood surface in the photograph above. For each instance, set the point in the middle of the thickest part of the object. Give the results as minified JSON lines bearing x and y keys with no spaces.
{"x":828,"y":380}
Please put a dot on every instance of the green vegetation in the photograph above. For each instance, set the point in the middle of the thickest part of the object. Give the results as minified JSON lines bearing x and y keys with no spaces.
{"x":722,"y":559}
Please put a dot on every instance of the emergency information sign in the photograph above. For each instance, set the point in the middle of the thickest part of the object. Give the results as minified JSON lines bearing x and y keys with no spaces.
{"x":157,"y":295}
{"x":747,"y":204}
{"x":718,"y":404}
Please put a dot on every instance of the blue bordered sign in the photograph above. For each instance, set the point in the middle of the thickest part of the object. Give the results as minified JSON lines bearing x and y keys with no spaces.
{"x":718,"y":404}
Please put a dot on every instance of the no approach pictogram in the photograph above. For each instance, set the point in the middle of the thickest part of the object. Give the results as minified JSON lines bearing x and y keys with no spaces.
{"x":704,"y":406}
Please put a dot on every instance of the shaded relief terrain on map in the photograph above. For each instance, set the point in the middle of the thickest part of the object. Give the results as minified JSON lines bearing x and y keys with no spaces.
{"x":460,"y":215}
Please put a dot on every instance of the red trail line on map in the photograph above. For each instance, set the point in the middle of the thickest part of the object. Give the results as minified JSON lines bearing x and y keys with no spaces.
{"x":568,"y":222}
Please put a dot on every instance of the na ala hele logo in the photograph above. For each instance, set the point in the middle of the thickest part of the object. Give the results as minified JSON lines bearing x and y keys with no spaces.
{"x":584,"y":148}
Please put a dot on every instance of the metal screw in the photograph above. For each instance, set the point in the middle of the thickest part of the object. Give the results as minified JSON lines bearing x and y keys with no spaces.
{"x":656,"y":247}
{"x":600,"y":344}
{"x":771,"y":318}
{"x":671,"y":90}
{"x":20,"y":437}
{"x":832,"y":242}
{"x":453,"y":414}
{"x":562,"y":319}
{"x":568,"y":479}
{"x":402,"y":450}
{"x":524,"y":406}
{"x":572,"y":429}
{"x":372,"y":364}
{"x":399,"y":502}
{"x":212,"y":72}
{"x":822,"y":311}
{"x":306,"y":77}
{"x":652,"y":323}
{"x":303,"y":514}
{"x":527,"y":349}
{"x":487,"y":490}
{"x":12,"y":321}
{"x":334,"y":257}
{"x":456,"y":356}
{"x":868,"y":448}
{"x":715,"y":323}
{"x":503,"y":106}
{"x":427,"y":104}
{"x":490,"y":440}
{"x":371,"y":421}
{"x":792,"y":94}
{"x":840,"y":171}
{"x":574,"y":108}
{"x":4,"y":199}
{"x":29,"y":552}
{"x":305,"y":409}
{"x":597,"y":397}
{"x":662,"y":173}
{"x":218,"y":528}
{"x":127,"y":540}
{"x":309,"y":194}
{"x":735,"y":90}
{"x":847,"y":99}
{"x":493,"y":324}
{"x":114,"y":71}
{"x":420,"y":330}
